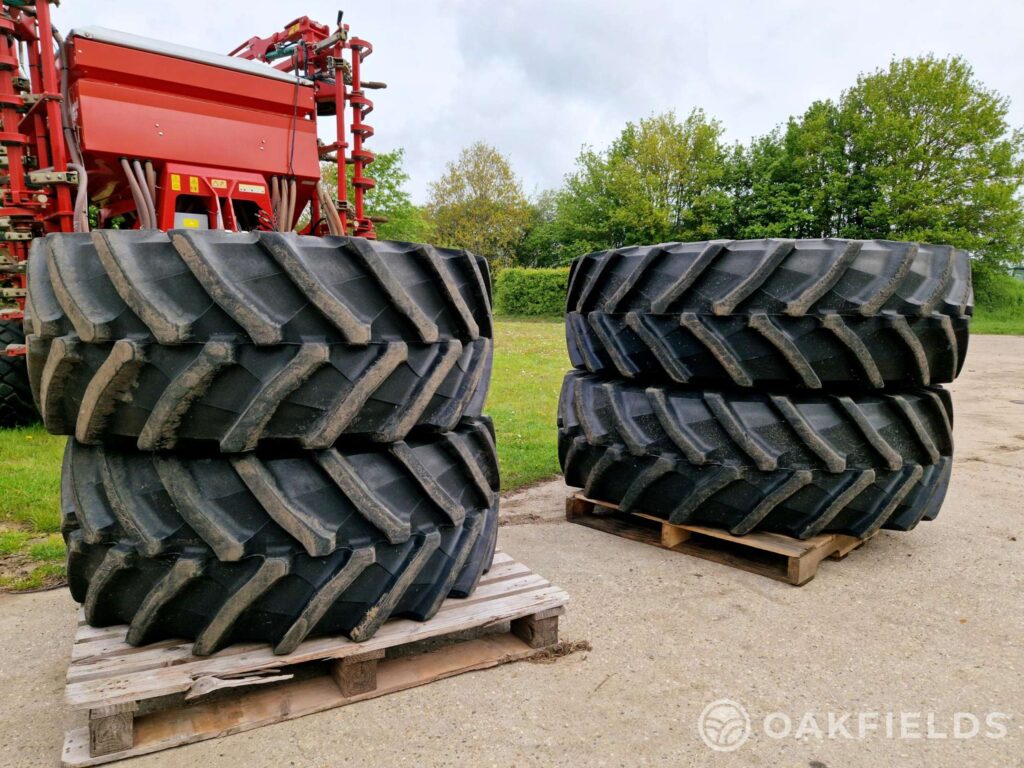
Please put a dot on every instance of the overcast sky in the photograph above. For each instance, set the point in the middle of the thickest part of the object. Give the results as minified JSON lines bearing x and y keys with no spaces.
{"x":540,"y":79}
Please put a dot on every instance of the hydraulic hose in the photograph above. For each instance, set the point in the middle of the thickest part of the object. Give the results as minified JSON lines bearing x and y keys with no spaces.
{"x":330,"y":213}
{"x":65,"y":104}
{"x":146,"y":197}
{"x":140,"y":204}
{"x":80,"y":220}
{"x":81,"y":217}
{"x":324,"y":215}
{"x":293,"y":192}
{"x":151,"y":180}
{"x":283,"y":212}
{"x":339,"y":223}
{"x":282,"y":205}
{"x":275,"y":200}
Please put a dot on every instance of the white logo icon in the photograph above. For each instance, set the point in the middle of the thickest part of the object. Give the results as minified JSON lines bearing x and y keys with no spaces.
{"x":724,"y":725}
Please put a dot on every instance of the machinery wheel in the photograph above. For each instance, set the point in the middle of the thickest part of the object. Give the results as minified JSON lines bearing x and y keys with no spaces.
{"x":276,"y":549}
{"x":161,"y":339}
{"x":761,"y":350}
{"x":794,"y":464}
{"x":237,"y":395}
{"x":263,"y":288}
{"x":800,"y":313}
{"x":16,"y":406}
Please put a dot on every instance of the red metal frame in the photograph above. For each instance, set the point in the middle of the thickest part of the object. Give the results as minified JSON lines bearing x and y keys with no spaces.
{"x":217,"y":139}
{"x":32,"y":140}
{"x":308,"y":47}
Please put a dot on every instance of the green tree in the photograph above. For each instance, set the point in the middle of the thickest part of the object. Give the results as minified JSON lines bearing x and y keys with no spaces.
{"x":680,"y":169}
{"x":388,"y":199}
{"x":661,"y":179}
{"x":918,"y":151}
{"x":931,"y":157}
{"x":602,"y":206}
{"x":791,"y":182}
{"x":479,"y":204}
{"x":817,"y":145}
{"x":767,"y":199}
{"x":541,"y":246}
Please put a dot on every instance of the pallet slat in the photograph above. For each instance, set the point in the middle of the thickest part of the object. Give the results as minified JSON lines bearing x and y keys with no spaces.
{"x":151,"y":683}
{"x":85,"y":656}
{"x":129,"y":662}
{"x":794,"y":561}
{"x":259,"y":707}
{"x":109,"y":678}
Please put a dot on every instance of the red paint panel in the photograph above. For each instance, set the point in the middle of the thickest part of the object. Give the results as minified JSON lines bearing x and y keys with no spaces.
{"x":132,"y":103}
{"x":154,"y":71}
{"x":120,"y":121}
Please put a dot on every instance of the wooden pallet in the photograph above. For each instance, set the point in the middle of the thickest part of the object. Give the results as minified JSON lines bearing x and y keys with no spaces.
{"x":147,"y":699}
{"x":784,"y":558}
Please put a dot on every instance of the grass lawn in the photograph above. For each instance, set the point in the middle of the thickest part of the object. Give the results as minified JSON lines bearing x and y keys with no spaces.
{"x":529,"y":362}
{"x":1001,"y":322}
{"x":31,"y":549}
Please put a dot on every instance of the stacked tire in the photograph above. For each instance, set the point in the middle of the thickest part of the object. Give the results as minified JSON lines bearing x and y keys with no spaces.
{"x":273,"y":437}
{"x":16,"y":406}
{"x":789,"y":386}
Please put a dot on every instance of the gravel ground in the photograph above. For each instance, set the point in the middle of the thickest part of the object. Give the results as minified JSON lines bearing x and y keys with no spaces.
{"x":922,"y":625}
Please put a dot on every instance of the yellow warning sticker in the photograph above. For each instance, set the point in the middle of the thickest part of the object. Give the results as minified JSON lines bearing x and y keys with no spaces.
{"x":218,"y":183}
{"x":253,"y":189}
{"x":193,"y":184}
{"x":294,"y":28}
{"x":189,"y":223}
{"x":176,"y":182}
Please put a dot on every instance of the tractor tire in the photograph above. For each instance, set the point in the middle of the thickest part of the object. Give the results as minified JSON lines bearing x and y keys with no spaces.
{"x":16,"y":406}
{"x":778,"y":313}
{"x":799,"y":465}
{"x":164,"y":339}
{"x":759,"y":351}
{"x":263,"y":288}
{"x":235,"y":396}
{"x":254,"y":548}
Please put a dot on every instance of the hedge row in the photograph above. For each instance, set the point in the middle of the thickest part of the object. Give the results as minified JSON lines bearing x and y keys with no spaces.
{"x":533,"y":291}
{"x":996,"y":290}
{"x":529,"y":291}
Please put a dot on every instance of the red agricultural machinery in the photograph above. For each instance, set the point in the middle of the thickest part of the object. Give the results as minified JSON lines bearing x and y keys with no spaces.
{"x":273,"y":434}
{"x":106,"y":129}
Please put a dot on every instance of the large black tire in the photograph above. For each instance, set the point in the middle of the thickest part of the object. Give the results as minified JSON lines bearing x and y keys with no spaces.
{"x":794,"y":464}
{"x":760,"y":350}
{"x":277,"y":549}
{"x":163,"y":339}
{"x":16,"y":406}
{"x":779,"y":313}
{"x":253,"y":287}
{"x":161,"y":396}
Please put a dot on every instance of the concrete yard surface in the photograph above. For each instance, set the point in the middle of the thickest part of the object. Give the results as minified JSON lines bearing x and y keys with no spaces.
{"x":920,"y":631}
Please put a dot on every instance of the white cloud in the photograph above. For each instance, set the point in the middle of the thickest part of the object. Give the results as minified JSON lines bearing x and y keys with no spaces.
{"x":540,"y":79}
